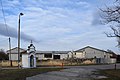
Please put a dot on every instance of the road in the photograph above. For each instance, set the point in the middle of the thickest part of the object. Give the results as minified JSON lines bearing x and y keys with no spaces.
{"x":74,"y":73}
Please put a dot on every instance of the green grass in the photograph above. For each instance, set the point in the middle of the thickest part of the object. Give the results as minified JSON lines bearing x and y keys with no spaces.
{"x":21,"y":74}
{"x":112,"y":74}
{"x":84,"y":64}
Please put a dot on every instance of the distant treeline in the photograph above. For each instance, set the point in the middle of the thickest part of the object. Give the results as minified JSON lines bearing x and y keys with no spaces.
{"x":3,"y":55}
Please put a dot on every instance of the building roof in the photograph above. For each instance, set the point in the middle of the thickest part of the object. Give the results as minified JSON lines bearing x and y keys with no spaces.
{"x":81,"y":50}
{"x":15,"y":50}
{"x":52,"y":52}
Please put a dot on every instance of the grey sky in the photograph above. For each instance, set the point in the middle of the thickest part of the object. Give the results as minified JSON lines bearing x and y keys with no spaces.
{"x":57,"y":25}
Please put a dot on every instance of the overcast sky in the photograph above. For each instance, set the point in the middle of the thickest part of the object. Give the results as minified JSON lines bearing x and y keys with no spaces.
{"x":56,"y":24}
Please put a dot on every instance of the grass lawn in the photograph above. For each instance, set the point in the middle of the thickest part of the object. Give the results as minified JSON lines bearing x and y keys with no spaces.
{"x":84,"y":64}
{"x":21,"y":74}
{"x":111,"y":74}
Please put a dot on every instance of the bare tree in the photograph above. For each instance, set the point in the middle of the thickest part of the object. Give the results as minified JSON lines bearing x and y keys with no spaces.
{"x":111,"y":15}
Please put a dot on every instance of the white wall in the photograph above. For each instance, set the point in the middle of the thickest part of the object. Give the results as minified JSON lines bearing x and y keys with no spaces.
{"x":79,"y":55}
{"x":92,"y":53}
{"x":62,"y":56}
{"x":44,"y":58}
{"x":113,"y":60}
{"x":13,"y":56}
{"x":69,"y":55}
{"x":40,"y":56}
{"x":14,"y":53}
{"x":25,"y":61}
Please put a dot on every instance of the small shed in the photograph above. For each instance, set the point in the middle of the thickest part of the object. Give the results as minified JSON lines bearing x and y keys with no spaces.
{"x":29,"y":59}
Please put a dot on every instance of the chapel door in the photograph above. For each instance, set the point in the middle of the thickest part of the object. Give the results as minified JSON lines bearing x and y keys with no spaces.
{"x":31,"y":61}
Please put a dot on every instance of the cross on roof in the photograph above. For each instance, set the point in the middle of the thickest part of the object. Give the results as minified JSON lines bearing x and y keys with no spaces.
{"x":31,"y":41}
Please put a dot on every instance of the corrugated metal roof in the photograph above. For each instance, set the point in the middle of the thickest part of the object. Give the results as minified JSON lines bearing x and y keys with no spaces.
{"x":15,"y":50}
{"x":81,"y":50}
{"x":52,"y":52}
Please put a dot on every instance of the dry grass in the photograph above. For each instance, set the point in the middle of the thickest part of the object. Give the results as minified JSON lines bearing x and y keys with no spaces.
{"x":112,"y":74}
{"x":21,"y":74}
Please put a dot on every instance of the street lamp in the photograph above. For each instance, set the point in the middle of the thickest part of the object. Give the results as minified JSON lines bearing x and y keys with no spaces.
{"x":19,"y":40}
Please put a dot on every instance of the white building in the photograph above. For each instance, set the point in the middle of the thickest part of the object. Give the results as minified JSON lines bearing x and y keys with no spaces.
{"x":29,"y":58}
{"x":14,"y":53}
{"x":45,"y":55}
{"x":88,"y":52}
{"x":40,"y":55}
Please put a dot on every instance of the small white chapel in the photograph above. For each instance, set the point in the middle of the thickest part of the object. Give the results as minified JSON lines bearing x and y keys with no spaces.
{"x":29,"y":59}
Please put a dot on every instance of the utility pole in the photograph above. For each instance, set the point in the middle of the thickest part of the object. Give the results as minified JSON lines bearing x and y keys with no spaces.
{"x":19,"y":40}
{"x":10,"y":52}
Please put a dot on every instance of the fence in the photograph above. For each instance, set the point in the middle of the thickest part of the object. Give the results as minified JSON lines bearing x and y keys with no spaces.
{"x":62,"y":62}
{"x":7,"y":63}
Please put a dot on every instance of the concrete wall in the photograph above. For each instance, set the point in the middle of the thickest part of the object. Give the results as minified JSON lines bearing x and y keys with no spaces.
{"x":13,"y":56}
{"x":8,"y":63}
{"x":92,"y":53}
{"x":41,"y":56}
{"x":69,"y":55}
{"x":87,"y":53}
{"x":113,"y":60}
{"x":50,"y":63}
{"x":25,"y":61}
{"x":14,"y":53}
{"x":63,"y":56}
{"x":44,"y":58}
{"x":79,"y":55}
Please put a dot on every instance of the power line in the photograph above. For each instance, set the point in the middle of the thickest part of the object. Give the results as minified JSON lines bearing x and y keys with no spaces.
{"x":7,"y":33}
{"x":4,"y":18}
{"x":3,"y":40}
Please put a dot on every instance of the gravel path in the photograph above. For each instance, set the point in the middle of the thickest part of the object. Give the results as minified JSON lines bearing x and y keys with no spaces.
{"x":73,"y":73}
